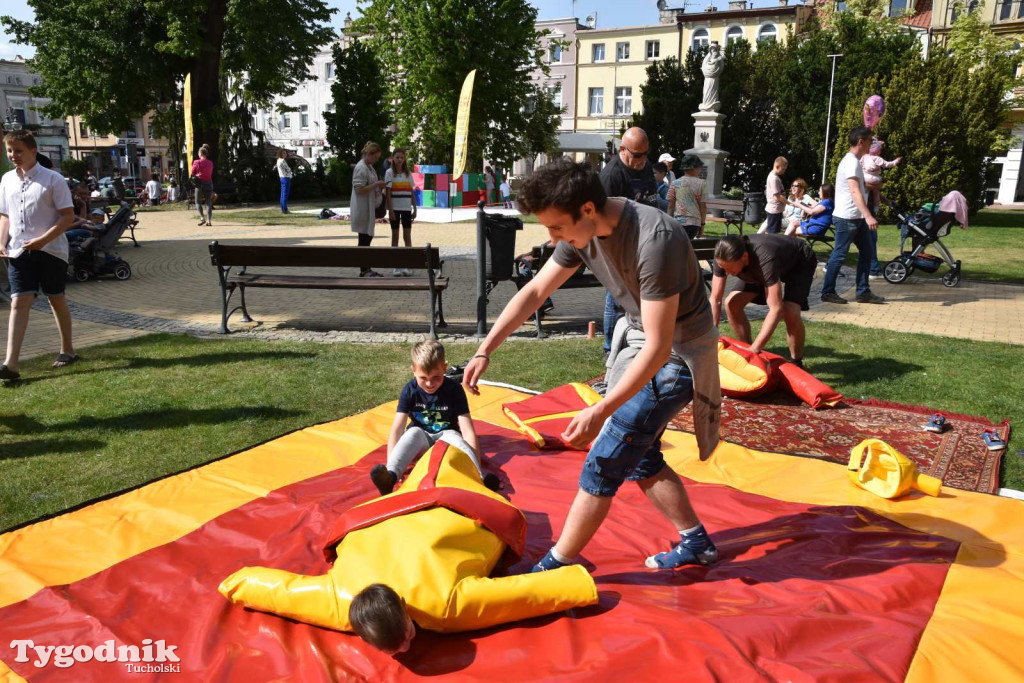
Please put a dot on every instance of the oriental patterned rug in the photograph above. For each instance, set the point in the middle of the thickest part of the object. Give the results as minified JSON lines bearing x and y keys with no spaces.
{"x":783,"y":424}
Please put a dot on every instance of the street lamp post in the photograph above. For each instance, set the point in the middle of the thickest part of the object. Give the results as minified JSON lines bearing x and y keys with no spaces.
{"x":828,"y":121}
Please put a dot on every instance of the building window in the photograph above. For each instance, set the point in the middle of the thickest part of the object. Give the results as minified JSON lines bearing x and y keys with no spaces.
{"x":597,"y":52}
{"x":20,"y":113}
{"x":1006,"y":9}
{"x":556,"y":96}
{"x":304,"y":116}
{"x":83,"y":132}
{"x":130,"y":132}
{"x":149,"y":131}
{"x":841,"y":6}
{"x":897,"y":8}
{"x":330,"y":108}
{"x":735,"y":34}
{"x":623,"y":101}
{"x":700,"y":39}
{"x":971,"y":6}
{"x":555,"y":52}
{"x":653,"y":49}
{"x":329,"y":70}
{"x":621,"y":52}
{"x":531,"y":104}
{"x":596,"y":101}
{"x":767,"y":33}
{"x":286,"y":120}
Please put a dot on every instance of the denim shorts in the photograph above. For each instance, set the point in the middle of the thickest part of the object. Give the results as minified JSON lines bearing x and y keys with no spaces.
{"x":629,"y":445}
{"x":37,"y":270}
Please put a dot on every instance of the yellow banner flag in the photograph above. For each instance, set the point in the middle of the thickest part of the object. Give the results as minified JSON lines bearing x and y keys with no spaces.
{"x":189,"y":136}
{"x":462,"y":125}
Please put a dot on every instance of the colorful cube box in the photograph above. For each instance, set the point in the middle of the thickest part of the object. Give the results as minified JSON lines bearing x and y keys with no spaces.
{"x":429,"y":198}
{"x":441,"y":182}
{"x":417,"y":196}
{"x":455,"y":199}
{"x":441,"y":200}
{"x":428,"y":182}
{"x":470,"y":198}
{"x":416,"y":168}
{"x":417,"y":181}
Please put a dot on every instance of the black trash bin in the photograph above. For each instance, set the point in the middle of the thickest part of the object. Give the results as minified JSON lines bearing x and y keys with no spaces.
{"x":501,"y":245}
{"x":754,"y":213}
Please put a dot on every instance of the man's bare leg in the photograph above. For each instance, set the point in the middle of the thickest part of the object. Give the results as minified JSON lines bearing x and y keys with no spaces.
{"x":795,"y":333}
{"x":586,"y":514}
{"x":734,"y":305}
{"x":62,"y":314}
{"x":21,"y":306}
{"x":666,"y":492}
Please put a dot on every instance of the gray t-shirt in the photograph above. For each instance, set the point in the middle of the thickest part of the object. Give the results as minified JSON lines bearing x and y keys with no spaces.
{"x":649,"y":257}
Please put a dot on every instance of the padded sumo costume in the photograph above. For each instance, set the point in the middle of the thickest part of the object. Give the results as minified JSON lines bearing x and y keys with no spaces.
{"x":434,"y":541}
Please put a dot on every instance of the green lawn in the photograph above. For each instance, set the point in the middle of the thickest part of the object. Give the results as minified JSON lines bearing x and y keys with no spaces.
{"x":135,"y":410}
{"x":260,"y":214}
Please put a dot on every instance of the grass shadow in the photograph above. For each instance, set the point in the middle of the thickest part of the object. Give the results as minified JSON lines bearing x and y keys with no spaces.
{"x":853,"y":368}
{"x":37,"y":447}
{"x":149,"y":419}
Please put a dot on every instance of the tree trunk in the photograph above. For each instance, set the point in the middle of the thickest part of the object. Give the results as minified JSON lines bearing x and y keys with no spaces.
{"x":205,"y":69}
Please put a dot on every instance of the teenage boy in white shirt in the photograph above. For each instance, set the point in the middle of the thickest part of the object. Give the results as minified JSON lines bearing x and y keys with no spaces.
{"x":35,"y":211}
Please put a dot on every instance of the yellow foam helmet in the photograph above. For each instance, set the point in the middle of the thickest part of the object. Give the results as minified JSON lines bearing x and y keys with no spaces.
{"x":435,"y":542}
{"x":879,"y":468}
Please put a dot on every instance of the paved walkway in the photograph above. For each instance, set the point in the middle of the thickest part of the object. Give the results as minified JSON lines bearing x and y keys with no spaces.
{"x":174,"y":288}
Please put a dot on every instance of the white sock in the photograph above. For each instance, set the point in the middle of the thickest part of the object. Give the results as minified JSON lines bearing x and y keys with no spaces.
{"x":691,"y":530}
{"x":560,"y":557}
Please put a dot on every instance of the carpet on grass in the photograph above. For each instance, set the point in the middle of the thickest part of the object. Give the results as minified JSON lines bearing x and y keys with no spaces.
{"x":783,"y":424}
{"x":826,"y":583}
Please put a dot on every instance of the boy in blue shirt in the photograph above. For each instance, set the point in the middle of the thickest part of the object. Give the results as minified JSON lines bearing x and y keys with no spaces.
{"x":431,"y":407}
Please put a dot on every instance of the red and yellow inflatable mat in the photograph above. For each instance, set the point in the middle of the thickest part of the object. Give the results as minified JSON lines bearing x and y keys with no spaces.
{"x":819,"y":580}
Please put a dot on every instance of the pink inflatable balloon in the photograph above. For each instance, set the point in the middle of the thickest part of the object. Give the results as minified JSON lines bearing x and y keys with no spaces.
{"x":874,"y":109}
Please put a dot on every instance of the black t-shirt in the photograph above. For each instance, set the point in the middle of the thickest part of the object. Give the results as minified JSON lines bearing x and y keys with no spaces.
{"x":434,"y":412}
{"x":620,"y":180}
{"x":773,"y":258}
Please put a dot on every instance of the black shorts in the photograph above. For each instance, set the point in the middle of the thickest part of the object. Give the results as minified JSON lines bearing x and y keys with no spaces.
{"x":774,"y":221}
{"x":35,"y":271}
{"x":403,"y":217}
{"x":795,"y":287}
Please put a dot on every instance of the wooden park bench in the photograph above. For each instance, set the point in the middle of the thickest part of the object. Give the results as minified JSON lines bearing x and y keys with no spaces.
{"x":244,"y":256}
{"x":733,"y":211}
{"x":703,"y":249}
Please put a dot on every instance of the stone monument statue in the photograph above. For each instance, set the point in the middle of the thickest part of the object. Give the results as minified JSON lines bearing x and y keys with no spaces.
{"x":712,"y":69}
{"x":707,"y":123}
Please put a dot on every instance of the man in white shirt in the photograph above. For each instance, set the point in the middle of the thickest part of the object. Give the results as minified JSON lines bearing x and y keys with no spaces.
{"x":153,"y":191}
{"x":853,"y":222}
{"x":775,"y":197}
{"x":35,"y":211}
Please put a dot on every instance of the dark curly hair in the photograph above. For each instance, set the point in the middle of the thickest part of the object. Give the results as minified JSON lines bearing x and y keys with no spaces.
{"x":564,"y":185}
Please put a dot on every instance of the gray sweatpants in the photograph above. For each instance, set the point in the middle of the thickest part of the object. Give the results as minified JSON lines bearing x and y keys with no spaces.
{"x":416,"y":441}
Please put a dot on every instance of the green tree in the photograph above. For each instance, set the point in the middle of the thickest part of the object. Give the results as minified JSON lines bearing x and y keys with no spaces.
{"x":360,"y":102}
{"x":73,"y":168}
{"x":110,"y":63}
{"x":668,"y":98}
{"x":429,"y":47}
{"x":945,"y":118}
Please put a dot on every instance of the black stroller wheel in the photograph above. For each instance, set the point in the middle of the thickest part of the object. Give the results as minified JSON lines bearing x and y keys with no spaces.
{"x":896,"y":271}
{"x":951,"y":279}
{"x":81,"y":274}
{"x":122,"y":271}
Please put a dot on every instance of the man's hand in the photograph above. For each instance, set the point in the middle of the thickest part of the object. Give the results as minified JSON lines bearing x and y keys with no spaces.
{"x":35,"y":244}
{"x":872,"y":223}
{"x":585,"y":427}
{"x":474,"y":370}
{"x":3,"y":251}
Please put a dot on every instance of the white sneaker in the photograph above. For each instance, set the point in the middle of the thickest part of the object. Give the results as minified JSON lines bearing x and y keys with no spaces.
{"x":397,"y":272}
{"x":406,"y":272}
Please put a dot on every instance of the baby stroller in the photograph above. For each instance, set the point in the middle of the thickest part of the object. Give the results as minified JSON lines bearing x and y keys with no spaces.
{"x":95,"y":255}
{"x":923,"y":229}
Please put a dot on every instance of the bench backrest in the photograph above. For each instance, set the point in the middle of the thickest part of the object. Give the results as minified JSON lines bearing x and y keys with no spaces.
{"x":725,"y":204}
{"x":703,"y":249}
{"x":325,"y":257}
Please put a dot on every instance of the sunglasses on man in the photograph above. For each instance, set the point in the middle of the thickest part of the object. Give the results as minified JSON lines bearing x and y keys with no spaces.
{"x":635,"y":155}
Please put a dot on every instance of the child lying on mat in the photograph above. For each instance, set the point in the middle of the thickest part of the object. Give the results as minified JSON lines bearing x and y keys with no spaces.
{"x":436,"y":405}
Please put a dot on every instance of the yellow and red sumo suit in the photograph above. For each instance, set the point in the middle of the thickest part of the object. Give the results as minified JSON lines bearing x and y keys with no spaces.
{"x":435,"y":541}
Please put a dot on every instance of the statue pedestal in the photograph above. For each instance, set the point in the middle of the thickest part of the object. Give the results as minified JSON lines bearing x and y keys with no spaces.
{"x":707,"y":136}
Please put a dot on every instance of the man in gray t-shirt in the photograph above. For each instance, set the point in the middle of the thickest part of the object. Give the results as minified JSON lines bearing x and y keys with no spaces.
{"x":665,"y":353}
